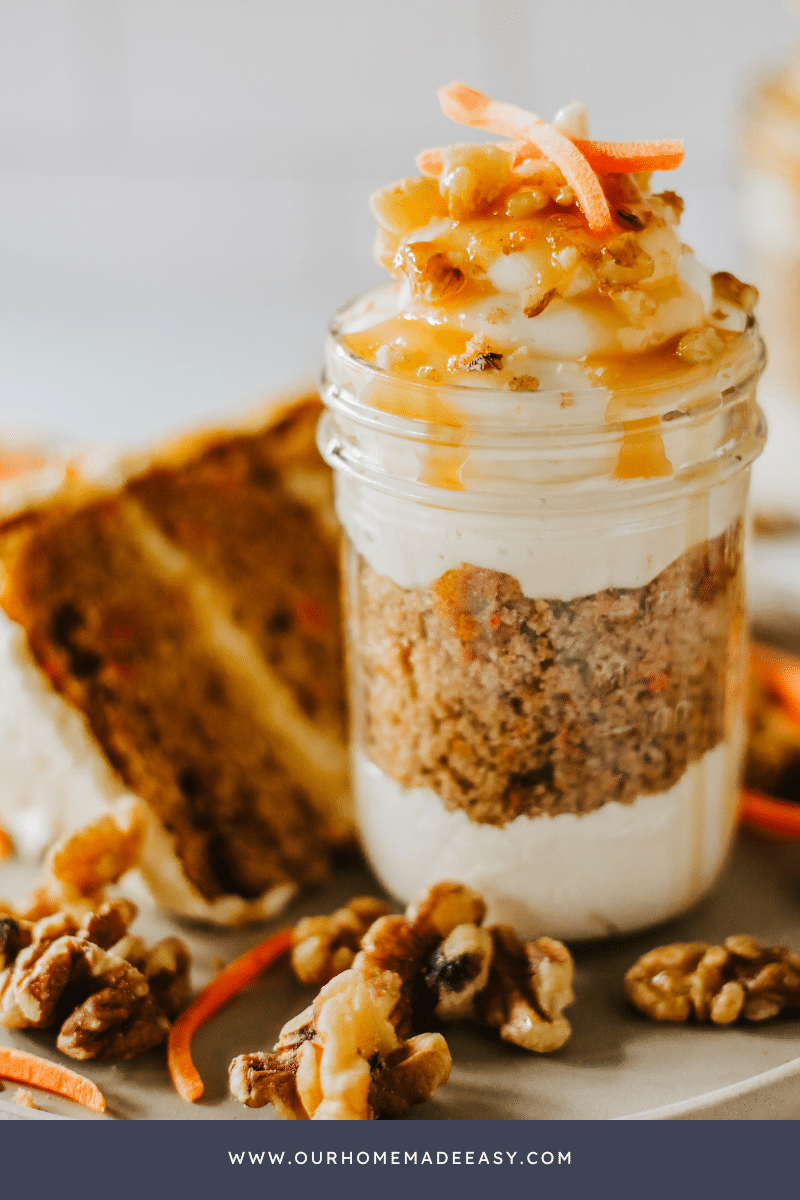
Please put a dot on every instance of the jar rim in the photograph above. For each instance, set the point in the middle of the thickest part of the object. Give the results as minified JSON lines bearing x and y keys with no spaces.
{"x":720,"y":382}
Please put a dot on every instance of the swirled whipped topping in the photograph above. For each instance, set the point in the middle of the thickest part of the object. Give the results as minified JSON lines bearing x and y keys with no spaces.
{"x":543,"y":262}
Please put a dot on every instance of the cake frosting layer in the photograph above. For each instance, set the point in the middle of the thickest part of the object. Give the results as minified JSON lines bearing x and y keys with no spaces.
{"x":617,"y":869}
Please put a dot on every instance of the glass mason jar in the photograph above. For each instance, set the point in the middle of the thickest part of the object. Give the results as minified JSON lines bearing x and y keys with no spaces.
{"x":770,"y":224}
{"x":546,"y":633}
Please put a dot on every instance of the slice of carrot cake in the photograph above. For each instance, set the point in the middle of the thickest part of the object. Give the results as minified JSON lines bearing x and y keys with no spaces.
{"x":185,"y":630}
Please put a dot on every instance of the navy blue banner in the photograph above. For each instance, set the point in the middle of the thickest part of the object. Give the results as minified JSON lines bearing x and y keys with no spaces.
{"x":471,"y":1159}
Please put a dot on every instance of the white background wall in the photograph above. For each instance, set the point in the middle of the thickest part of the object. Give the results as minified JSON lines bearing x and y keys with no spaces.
{"x":183,"y":183}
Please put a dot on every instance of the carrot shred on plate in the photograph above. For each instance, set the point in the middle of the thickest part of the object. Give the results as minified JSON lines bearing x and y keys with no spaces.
{"x":765,"y":812}
{"x":469,"y":107}
{"x":780,"y":673}
{"x":21,"y":1067}
{"x":223,"y":988}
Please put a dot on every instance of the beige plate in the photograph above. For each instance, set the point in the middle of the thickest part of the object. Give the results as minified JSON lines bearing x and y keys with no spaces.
{"x":617,"y":1065}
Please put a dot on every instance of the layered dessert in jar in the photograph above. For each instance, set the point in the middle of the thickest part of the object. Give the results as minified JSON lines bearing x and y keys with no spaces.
{"x":542,"y":430}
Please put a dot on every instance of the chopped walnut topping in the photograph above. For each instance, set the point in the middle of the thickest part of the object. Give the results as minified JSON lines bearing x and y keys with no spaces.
{"x":740,"y":978}
{"x":526,"y":202}
{"x":324,"y":946}
{"x":536,"y":303}
{"x":635,"y":305}
{"x":700,"y":347}
{"x":472,"y":177}
{"x":523,"y":383}
{"x":478,"y":356}
{"x":624,"y":260}
{"x":407,"y":205}
{"x":631,"y":219}
{"x":429,"y":270}
{"x":728,"y":287}
{"x":674,"y":203}
{"x":117,"y":1007}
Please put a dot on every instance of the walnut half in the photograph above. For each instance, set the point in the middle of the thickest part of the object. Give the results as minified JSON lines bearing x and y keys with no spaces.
{"x":530,"y":985}
{"x":342,"y":1059}
{"x":740,"y":978}
{"x":324,"y":946}
{"x":111,"y":995}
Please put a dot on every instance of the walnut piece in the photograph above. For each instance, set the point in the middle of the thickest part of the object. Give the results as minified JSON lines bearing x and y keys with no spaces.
{"x":449,"y":965}
{"x":700,"y":347}
{"x":324,"y":946}
{"x":342,"y":1060}
{"x":444,"y":906}
{"x":728,"y":287}
{"x":350,"y":1056}
{"x":430,"y":272}
{"x":740,"y":978}
{"x":624,"y":261}
{"x":530,"y":984}
{"x":111,"y":995}
{"x":472,"y":177}
{"x":81,"y":865}
{"x":459,"y":969}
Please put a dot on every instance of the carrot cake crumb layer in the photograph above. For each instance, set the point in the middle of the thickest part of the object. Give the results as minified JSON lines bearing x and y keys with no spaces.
{"x":233,"y":512}
{"x":505,"y":705}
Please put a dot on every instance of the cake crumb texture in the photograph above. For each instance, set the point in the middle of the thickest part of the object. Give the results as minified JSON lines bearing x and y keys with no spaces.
{"x":505,"y":705}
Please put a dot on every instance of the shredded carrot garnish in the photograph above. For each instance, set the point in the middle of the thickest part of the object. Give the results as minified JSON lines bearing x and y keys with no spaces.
{"x":227,"y":984}
{"x":21,"y":1067}
{"x":775,"y":816}
{"x":609,"y":158}
{"x":472,"y":108}
{"x":618,"y":158}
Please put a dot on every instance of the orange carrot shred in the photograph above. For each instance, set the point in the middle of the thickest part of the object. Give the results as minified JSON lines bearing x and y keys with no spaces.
{"x":21,"y":1067}
{"x":609,"y":158}
{"x":780,"y":672}
{"x":616,"y":158}
{"x":775,"y":816}
{"x":472,"y":108}
{"x":223,"y":988}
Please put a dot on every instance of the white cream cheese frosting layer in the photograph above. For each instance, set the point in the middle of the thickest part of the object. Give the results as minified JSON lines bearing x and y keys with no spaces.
{"x":553,"y":559}
{"x":619,"y":868}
